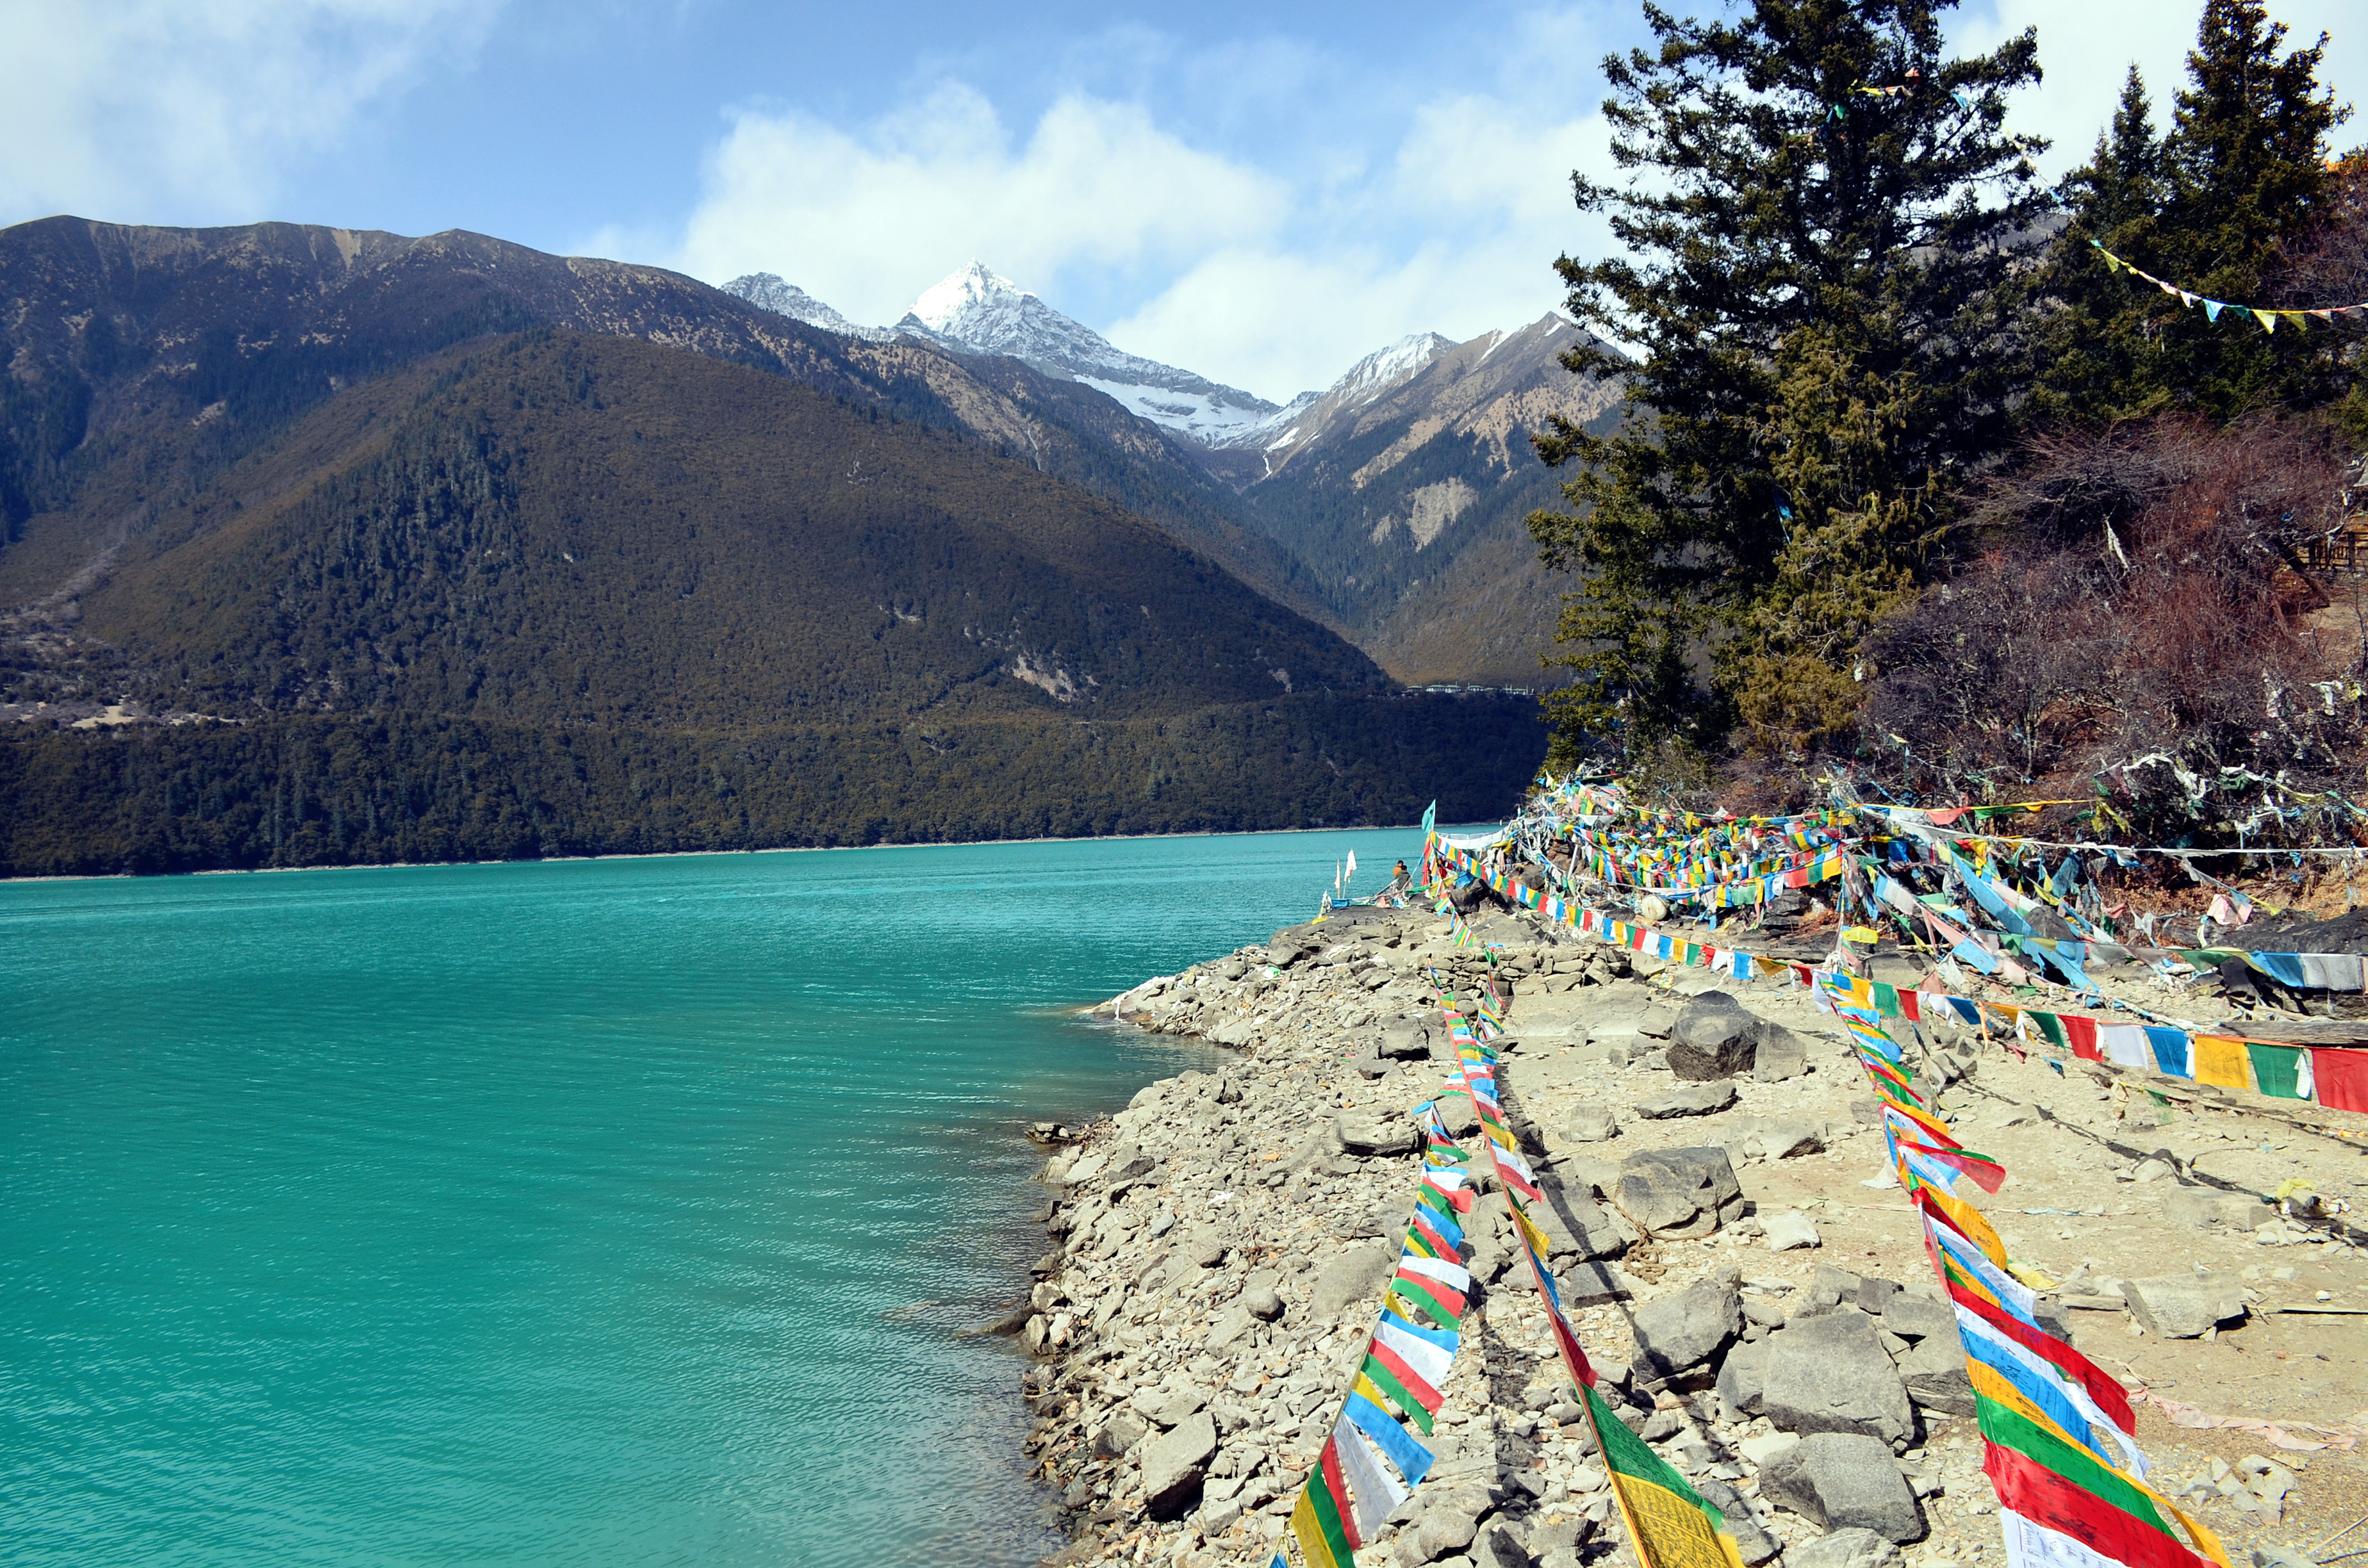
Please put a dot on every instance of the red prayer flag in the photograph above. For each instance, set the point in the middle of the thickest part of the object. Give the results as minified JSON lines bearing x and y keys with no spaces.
{"x":2342,"y":1077}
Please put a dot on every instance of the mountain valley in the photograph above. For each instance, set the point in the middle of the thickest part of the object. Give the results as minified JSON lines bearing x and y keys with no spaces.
{"x":323,"y":546}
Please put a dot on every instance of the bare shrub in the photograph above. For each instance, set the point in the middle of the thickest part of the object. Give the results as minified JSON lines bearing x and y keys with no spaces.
{"x":2054,"y":656}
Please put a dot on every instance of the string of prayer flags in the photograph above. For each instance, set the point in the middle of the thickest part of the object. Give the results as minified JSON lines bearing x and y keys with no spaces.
{"x":2268,"y":317}
{"x":2057,"y":1433}
{"x":2265,"y":1066}
{"x":1371,"y":1463}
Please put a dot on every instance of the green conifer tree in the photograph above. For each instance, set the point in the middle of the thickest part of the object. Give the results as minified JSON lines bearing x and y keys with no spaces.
{"x":1822,"y":284}
{"x":2242,"y":170}
{"x":2104,"y":337}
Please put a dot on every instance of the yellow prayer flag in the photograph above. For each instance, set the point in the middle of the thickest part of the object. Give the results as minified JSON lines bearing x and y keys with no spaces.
{"x":2222,"y":1062}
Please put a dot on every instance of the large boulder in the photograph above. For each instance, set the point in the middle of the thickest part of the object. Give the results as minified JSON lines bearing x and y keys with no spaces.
{"x":1354,"y":1275}
{"x":1713,"y":1038}
{"x":1678,"y":1192}
{"x":1578,"y":1228}
{"x":1175,"y":1465}
{"x":1829,"y":1373}
{"x":1921,"y":1317}
{"x":1933,"y":1372}
{"x":1680,"y":1334}
{"x":1592,"y":1285}
{"x":1361,"y":1133}
{"x":2181,"y":1306}
{"x":1742,"y":1380}
{"x":1591,"y":1124}
{"x":1778,"y":1054}
{"x":1844,"y":1480}
{"x":1405,"y":1042}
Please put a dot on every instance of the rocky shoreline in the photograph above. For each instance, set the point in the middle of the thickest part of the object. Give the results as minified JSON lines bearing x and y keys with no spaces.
{"x":1740,"y":1265}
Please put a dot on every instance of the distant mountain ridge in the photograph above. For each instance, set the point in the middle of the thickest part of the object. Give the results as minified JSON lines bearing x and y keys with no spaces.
{"x":1398,"y":493}
{"x":355,"y":546}
{"x":976,"y":311}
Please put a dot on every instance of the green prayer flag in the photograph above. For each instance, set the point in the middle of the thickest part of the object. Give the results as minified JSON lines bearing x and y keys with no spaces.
{"x":2277,"y":1069}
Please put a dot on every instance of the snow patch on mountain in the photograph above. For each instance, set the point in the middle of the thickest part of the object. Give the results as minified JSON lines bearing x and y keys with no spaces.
{"x":769,"y":291}
{"x":979,"y":311}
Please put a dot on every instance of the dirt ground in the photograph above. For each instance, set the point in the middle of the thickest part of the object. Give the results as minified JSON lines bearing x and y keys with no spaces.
{"x":2075,"y":1208}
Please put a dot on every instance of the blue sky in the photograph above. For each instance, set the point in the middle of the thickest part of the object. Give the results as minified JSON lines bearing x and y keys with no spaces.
{"x":1258,"y":193}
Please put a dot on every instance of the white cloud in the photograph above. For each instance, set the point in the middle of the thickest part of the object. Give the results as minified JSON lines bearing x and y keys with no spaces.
{"x":152,"y":110}
{"x":1263,"y":278}
{"x":2087,"y":50}
{"x":1456,"y":235}
{"x":866,"y":219}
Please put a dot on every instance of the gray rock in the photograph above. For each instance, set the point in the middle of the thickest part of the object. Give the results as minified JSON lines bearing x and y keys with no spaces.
{"x":1167,"y":1409}
{"x":1828,"y":1373}
{"x":1230,"y":1326}
{"x":1844,"y":1549}
{"x":1788,"y":1230}
{"x":1778,"y":1054}
{"x":1842,"y":1481}
{"x":1682,"y":1333}
{"x":1581,"y":1229}
{"x":1921,"y":1317}
{"x":1741,"y":1377}
{"x":2204,"y":1207}
{"x":1447,"y":1525}
{"x":1361,"y":1133}
{"x":1713,"y":1038}
{"x":1495,"y":1547}
{"x":1590,"y":1285}
{"x":1457,"y":1114}
{"x":1351,"y":1277}
{"x":1557,"y":1545}
{"x":1828,"y":1286}
{"x":1262,"y":1303}
{"x":1695,"y":1099}
{"x":1372,"y":1067}
{"x":1661,"y":1425}
{"x":1933,"y":1372}
{"x":1678,"y":1192}
{"x":1403,"y":1043}
{"x":1791,"y":1138}
{"x":1175,"y":1465}
{"x":1119,"y":1433}
{"x":1756,"y":1545}
{"x":1591,"y":1124}
{"x":2181,"y":1306}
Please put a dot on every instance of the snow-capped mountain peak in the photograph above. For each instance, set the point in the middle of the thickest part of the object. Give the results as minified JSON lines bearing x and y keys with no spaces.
{"x":967,"y":295}
{"x":769,"y":291}
{"x":976,"y":311}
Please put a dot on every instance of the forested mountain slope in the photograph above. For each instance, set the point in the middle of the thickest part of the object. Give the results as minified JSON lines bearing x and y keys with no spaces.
{"x":565,"y":528}
{"x":1404,"y":497}
{"x":139,"y":360}
{"x":339,"y":550}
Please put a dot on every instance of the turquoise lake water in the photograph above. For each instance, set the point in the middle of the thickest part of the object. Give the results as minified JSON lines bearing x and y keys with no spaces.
{"x":614,"y":1212}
